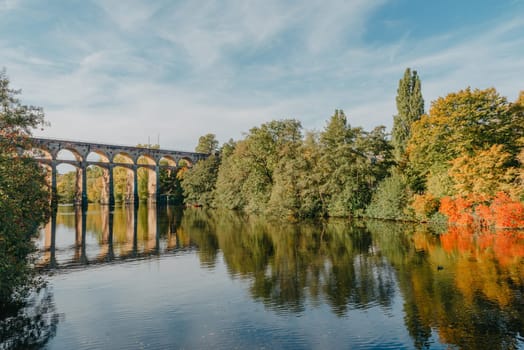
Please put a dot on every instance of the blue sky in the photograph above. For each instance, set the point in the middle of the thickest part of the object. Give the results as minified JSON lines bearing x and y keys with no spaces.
{"x":121,"y":71}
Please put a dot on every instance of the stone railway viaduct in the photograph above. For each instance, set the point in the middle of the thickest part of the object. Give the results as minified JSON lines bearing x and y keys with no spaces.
{"x":46,"y":151}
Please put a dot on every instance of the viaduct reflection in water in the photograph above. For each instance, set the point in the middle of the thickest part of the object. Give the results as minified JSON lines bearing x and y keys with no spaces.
{"x":464,"y":288}
{"x":102,"y":236}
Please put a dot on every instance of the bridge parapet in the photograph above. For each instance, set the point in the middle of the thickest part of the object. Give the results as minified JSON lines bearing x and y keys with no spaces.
{"x":81,"y":151}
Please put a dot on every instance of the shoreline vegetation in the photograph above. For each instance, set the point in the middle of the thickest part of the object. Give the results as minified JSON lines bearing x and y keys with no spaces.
{"x":461,"y":163}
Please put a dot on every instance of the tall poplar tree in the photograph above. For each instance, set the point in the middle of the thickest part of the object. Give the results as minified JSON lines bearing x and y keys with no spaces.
{"x":410,"y":106}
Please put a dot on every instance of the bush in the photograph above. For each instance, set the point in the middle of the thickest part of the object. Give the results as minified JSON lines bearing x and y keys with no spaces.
{"x":390,"y":200}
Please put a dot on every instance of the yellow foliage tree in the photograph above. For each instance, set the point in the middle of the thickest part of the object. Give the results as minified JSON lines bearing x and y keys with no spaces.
{"x":486,"y":172}
{"x":459,"y":126}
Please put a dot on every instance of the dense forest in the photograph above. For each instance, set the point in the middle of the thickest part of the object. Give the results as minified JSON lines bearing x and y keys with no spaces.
{"x":463,"y":159}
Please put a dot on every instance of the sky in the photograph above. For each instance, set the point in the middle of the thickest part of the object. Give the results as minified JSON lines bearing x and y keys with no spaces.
{"x":130,"y":72}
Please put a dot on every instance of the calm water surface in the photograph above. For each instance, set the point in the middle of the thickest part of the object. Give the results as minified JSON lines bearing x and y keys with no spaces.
{"x":163,"y":278}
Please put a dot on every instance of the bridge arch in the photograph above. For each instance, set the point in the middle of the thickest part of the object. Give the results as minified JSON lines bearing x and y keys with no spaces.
{"x":148,"y":176}
{"x":67,"y":153}
{"x":167,"y":160}
{"x":97,"y":156}
{"x":123,"y":158}
{"x":185,"y":162}
{"x":146,"y":159}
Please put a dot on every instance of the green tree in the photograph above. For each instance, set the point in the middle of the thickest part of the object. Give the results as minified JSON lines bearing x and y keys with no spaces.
{"x":207,"y":144}
{"x":66,"y":187}
{"x":337,"y":157}
{"x":350,"y":165}
{"x":410,"y":106}
{"x":309,"y":178}
{"x":120,"y":181}
{"x":24,"y":196}
{"x":94,"y":183}
{"x":199,"y":182}
{"x":391,"y":198}
{"x":247,"y":176}
{"x":171,"y":186}
{"x":295,"y":193}
{"x":231,"y":177}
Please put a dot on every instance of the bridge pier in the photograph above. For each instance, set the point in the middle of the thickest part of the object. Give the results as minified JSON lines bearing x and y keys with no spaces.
{"x":157,"y":188}
{"x":84,"y":186}
{"x":152,"y":185}
{"x":130,"y":187}
{"x":135,"y":185}
{"x":81,"y":186}
{"x":78,"y":186}
{"x":54,"y":192}
{"x":111,"y":188}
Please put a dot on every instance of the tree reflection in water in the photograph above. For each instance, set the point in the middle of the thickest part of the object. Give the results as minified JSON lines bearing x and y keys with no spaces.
{"x":465,"y":287}
{"x":30,"y":326}
{"x":460,"y":284}
{"x":289,"y":264}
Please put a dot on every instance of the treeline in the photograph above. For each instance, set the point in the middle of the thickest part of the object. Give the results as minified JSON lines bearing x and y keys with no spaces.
{"x":279,"y":171}
{"x":466,"y":152}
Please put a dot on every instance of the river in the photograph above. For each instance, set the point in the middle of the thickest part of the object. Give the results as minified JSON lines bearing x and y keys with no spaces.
{"x":163,"y":278}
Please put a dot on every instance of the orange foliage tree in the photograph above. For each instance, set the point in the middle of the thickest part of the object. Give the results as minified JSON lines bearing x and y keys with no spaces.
{"x":500,"y":211}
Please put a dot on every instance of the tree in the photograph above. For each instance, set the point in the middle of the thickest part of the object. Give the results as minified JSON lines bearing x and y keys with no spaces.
{"x":171,"y":186}
{"x":66,"y":187}
{"x":231,"y":177}
{"x":296,"y":190}
{"x":24,"y":196}
{"x":336,"y":164}
{"x":248,"y":172}
{"x":390,"y":199}
{"x":350,"y":165}
{"x":199,"y":182}
{"x":485,"y":173}
{"x":461,"y":123}
{"x":267,"y":147}
{"x":95,"y":178}
{"x":410,"y":106}
{"x":207,"y":144}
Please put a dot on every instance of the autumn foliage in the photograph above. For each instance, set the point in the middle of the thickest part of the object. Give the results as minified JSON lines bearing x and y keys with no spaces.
{"x":424,"y":205}
{"x":474,"y":210}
